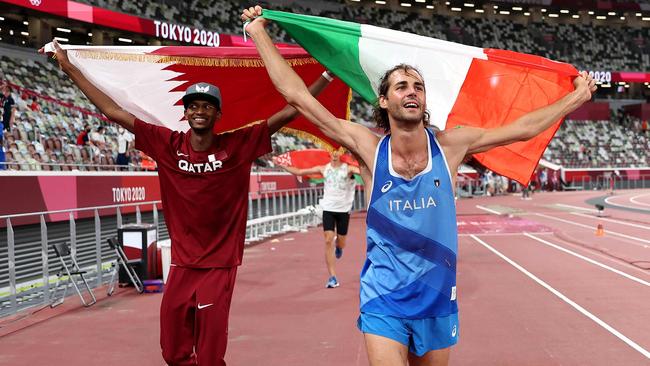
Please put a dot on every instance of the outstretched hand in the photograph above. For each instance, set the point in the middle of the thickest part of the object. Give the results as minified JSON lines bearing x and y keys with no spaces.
{"x":59,"y":54}
{"x":254,"y":16}
{"x":585,"y":85}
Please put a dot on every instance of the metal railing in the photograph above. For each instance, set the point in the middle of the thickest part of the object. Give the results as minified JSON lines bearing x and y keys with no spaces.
{"x":28,"y":264}
{"x":603,"y":183}
{"x":469,"y":187}
{"x":288,"y":210}
{"x":30,"y":260}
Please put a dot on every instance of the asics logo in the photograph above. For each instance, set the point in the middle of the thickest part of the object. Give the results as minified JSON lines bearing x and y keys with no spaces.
{"x":386,"y":186}
{"x":203,"y":306}
{"x":453,"y":331}
{"x":178,"y":153}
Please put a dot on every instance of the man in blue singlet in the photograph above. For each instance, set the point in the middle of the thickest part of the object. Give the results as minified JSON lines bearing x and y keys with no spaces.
{"x":409,"y":313}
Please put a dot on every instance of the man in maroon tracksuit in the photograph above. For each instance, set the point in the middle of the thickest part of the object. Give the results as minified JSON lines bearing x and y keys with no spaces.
{"x":204,"y":181}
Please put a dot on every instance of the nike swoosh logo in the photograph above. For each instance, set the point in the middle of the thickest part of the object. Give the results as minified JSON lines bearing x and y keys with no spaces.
{"x":181,"y":154}
{"x":203,"y":306}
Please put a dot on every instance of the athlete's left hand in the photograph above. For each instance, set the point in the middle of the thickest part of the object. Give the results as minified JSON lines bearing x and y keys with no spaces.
{"x":584,"y":85}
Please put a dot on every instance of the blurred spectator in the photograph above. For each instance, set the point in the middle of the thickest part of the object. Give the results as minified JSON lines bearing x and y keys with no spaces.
{"x":124,"y":141}
{"x":35,"y":162}
{"x":82,"y":138}
{"x":34,"y":105}
{"x":534,"y":182}
{"x":70,"y":163}
{"x":11,"y":161}
{"x":2,"y":152}
{"x":8,"y":107}
{"x":555,"y":180}
{"x":97,"y":139}
{"x":543,"y":179}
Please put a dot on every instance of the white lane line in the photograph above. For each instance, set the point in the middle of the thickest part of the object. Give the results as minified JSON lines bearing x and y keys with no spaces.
{"x":608,"y":231}
{"x":507,"y":234}
{"x":576,"y":207}
{"x":608,"y":201}
{"x":488,"y":210}
{"x":558,"y":247}
{"x":612,"y":220}
{"x":557,"y":293}
{"x":633,"y":199}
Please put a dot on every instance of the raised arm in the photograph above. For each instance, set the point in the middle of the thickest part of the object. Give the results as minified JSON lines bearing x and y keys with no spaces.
{"x":102,"y":101}
{"x":353,"y":136}
{"x":288,"y":113}
{"x":307,"y":171}
{"x":460,"y":142}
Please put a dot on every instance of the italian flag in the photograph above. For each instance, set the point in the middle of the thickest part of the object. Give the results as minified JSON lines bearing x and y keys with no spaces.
{"x":466,"y":86}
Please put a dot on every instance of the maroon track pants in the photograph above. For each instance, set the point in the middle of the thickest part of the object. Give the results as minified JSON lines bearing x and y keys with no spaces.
{"x":194,"y":315}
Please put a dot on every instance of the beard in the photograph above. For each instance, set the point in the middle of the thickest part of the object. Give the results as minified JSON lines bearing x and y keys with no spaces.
{"x":404,"y":116}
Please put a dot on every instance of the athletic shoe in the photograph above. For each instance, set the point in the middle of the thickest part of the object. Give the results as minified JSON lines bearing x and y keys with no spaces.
{"x":332,"y":282}
{"x":338,"y":252}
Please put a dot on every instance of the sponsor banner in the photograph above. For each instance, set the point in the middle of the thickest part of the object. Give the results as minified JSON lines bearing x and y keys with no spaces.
{"x":116,"y":20}
{"x":48,"y":192}
{"x":631,"y":77}
{"x":607,"y":77}
{"x":45,"y":193}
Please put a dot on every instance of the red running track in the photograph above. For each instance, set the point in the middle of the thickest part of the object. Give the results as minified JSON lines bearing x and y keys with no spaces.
{"x":535,"y":287}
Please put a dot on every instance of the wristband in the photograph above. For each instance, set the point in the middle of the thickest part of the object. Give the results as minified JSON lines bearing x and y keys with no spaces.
{"x":327,"y":76}
{"x":244,"y":29}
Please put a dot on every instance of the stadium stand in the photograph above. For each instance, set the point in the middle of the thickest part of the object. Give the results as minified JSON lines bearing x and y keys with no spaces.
{"x":52,"y":113}
{"x":45,"y":129}
{"x":602,"y":144}
{"x":587,"y":46}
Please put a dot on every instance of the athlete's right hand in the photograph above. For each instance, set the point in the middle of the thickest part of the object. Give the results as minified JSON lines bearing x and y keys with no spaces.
{"x":59,"y":54}
{"x":254,"y":16}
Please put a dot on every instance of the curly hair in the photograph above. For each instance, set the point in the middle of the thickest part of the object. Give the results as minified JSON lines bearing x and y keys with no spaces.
{"x":380,"y":115}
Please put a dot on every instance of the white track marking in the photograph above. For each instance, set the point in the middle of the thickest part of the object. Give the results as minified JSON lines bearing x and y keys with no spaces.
{"x":558,"y":247}
{"x":488,"y":210}
{"x":607,"y":200}
{"x":507,"y":234}
{"x":557,"y":293}
{"x":612,"y":220}
{"x":633,"y":199}
{"x":608,"y":231}
{"x":577,"y":207}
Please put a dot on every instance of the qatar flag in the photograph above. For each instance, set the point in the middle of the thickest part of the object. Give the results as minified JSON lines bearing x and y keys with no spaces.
{"x":149,"y":82}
